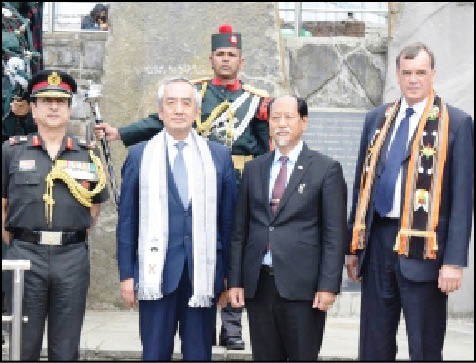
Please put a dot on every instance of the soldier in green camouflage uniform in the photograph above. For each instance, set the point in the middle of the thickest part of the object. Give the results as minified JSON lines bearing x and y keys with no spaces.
{"x":234,"y":114}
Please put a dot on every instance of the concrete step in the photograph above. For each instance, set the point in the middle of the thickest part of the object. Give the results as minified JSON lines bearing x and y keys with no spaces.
{"x":114,"y":335}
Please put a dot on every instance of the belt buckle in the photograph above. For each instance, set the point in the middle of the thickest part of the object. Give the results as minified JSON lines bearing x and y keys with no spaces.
{"x":50,"y":238}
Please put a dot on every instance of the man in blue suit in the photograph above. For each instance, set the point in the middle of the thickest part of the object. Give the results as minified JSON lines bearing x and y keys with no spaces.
{"x":411,"y":215}
{"x":175,"y":218}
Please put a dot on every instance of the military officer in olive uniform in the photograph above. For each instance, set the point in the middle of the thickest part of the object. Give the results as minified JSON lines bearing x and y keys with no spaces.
{"x":52,"y":187}
{"x":234,"y":114}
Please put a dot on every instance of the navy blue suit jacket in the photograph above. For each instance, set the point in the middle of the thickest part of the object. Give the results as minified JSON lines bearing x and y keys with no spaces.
{"x":455,"y":218}
{"x":128,"y":223}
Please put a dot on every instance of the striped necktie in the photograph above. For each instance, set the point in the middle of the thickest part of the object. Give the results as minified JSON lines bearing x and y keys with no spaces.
{"x":279,"y":185}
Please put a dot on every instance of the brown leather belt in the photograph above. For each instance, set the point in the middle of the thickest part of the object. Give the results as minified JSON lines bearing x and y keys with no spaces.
{"x":50,"y":238}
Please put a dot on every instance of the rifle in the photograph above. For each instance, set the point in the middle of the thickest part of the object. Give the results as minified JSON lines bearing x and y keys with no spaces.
{"x":92,"y":96}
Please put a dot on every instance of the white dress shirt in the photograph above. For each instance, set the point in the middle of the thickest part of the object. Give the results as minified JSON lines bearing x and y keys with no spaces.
{"x":275,"y":167}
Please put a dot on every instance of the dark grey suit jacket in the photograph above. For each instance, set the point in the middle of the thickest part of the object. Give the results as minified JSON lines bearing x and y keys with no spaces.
{"x":306,"y":236}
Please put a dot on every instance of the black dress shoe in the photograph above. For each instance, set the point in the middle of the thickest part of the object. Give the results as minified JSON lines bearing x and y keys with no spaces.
{"x":233,"y":343}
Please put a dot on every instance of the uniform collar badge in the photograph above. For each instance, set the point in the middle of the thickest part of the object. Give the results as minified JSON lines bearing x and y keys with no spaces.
{"x":35,"y":141}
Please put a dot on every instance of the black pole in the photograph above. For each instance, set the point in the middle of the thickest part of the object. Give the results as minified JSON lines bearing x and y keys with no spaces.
{"x":107,"y":156}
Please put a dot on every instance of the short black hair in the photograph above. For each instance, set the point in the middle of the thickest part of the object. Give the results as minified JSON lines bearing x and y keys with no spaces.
{"x":301,"y":106}
{"x":96,"y":11}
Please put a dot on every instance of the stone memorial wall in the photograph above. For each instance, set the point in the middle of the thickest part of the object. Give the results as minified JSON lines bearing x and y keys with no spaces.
{"x":342,"y":77}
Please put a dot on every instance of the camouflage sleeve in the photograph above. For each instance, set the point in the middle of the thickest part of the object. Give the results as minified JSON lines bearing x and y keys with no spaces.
{"x":141,"y":130}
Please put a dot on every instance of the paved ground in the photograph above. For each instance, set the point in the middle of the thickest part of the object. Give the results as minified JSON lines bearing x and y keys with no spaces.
{"x":113,"y":335}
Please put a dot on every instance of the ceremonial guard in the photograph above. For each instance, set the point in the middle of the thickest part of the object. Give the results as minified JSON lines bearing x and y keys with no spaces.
{"x":52,"y":184}
{"x":233,"y":114}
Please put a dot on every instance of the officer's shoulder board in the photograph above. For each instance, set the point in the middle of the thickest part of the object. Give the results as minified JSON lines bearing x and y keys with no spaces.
{"x":18,"y":139}
{"x":256,"y":91}
{"x":86,"y":144}
{"x":200,"y":80}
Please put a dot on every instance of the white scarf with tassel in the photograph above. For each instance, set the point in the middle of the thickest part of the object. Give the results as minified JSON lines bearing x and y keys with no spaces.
{"x":154,"y":224}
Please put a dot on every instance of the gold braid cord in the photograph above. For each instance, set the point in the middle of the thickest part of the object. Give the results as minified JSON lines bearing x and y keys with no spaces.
{"x":82,"y":195}
{"x":229,"y":129}
{"x":203,"y":128}
{"x":198,"y":121}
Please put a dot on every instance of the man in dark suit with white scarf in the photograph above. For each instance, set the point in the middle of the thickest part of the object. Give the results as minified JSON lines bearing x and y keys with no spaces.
{"x":175,"y":216}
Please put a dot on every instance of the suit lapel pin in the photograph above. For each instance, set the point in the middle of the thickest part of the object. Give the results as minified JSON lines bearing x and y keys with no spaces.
{"x":301,"y":188}
{"x":300,"y":167}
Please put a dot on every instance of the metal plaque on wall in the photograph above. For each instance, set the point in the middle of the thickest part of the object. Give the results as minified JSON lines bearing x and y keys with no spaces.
{"x":336,"y":133}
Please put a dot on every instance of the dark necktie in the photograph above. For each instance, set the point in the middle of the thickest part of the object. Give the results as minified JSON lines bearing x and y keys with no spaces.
{"x":279,"y":185}
{"x":386,"y":184}
{"x":180,"y":173}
